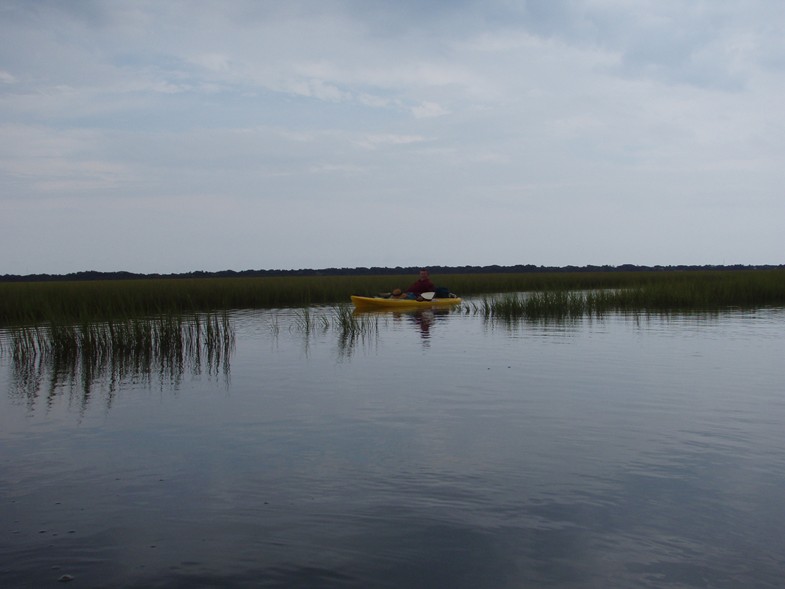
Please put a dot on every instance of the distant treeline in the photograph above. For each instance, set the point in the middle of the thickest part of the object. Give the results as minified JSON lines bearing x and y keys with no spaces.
{"x":374,"y":271}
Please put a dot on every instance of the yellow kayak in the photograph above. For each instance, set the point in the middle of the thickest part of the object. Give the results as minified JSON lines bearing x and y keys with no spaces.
{"x":383,"y":303}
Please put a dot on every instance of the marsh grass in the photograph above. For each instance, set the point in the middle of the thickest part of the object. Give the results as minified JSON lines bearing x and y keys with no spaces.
{"x":709,"y":292}
{"x":68,"y":302}
{"x":351,"y":328}
{"x":308,"y":321}
{"x":37,"y":302}
{"x":168,"y":344}
{"x":117,"y":350}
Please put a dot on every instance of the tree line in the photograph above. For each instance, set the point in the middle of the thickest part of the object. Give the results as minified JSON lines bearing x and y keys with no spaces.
{"x":374,"y":271}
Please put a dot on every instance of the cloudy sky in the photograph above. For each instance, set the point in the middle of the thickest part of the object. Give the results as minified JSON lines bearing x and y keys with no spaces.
{"x":173,"y":136}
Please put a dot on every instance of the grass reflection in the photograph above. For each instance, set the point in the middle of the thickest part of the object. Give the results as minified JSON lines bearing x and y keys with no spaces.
{"x":351,"y":328}
{"x":82,"y":357}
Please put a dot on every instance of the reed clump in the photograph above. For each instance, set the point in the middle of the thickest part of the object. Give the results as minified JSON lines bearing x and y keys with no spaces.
{"x":350,"y":326}
{"x":167,"y":344}
{"x":354,"y":328}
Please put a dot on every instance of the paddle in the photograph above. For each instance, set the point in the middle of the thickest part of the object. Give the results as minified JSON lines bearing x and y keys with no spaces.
{"x":428,"y":296}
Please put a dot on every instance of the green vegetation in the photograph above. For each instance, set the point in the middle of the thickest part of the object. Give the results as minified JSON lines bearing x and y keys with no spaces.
{"x":351,"y":327}
{"x":114,"y":350}
{"x":704,"y":291}
{"x":36,"y":303}
{"x":169,"y":345}
{"x":169,"y":338}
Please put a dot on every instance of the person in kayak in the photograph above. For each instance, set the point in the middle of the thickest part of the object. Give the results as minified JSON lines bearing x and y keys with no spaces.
{"x":421,"y":285}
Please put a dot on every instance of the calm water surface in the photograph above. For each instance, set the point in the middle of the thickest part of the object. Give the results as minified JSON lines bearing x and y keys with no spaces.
{"x":437,"y":450}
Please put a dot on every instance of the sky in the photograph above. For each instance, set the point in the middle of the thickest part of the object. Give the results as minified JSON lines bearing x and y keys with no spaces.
{"x":178,"y":136}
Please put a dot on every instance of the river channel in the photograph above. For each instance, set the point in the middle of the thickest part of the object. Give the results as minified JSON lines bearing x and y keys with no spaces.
{"x":426,"y":450}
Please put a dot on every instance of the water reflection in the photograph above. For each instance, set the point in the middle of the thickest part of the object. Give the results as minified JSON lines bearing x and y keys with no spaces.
{"x":422,"y":320}
{"x":354,"y":329}
{"x":611,"y":452}
{"x":94,"y":358}
{"x":87,"y":360}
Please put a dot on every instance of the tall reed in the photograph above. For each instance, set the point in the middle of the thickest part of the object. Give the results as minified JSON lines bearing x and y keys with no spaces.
{"x":166,"y":344}
{"x":354,"y":328}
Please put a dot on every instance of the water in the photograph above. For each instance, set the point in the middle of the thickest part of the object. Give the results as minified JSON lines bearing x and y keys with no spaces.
{"x":437,"y":450}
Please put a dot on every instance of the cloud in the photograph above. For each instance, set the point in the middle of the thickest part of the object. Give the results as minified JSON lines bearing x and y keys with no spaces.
{"x":530,"y":116}
{"x":35,"y":161}
{"x":374,"y":141}
{"x":429,"y":109}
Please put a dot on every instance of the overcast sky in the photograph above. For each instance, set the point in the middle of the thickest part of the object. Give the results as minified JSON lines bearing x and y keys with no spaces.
{"x":174,"y":136}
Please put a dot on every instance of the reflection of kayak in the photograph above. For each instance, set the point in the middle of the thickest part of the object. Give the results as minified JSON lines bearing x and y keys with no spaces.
{"x":382,"y":303}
